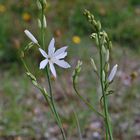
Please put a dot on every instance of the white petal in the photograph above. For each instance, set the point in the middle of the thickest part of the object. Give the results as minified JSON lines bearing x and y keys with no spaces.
{"x":52,"y":68}
{"x":51,"y":47}
{"x":43,"y":53}
{"x":112,"y":73}
{"x":61,"y":50}
{"x":43,"y":64}
{"x":62,"y":63}
{"x":33,"y":39}
{"x":61,"y":55}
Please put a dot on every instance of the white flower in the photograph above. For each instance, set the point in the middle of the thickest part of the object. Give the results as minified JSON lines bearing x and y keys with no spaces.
{"x":112,"y":73}
{"x":54,"y":57}
{"x":33,"y":39}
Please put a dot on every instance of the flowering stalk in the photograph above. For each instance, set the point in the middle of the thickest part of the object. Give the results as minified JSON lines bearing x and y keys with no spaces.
{"x":104,"y":46}
{"x":52,"y":58}
{"x":52,"y":104}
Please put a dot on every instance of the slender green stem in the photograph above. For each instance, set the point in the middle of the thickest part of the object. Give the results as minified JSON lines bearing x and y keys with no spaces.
{"x":86,"y":102}
{"x":108,"y":128}
{"x":78,"y":125}
{"x":53,"y":106}
{"x":51,"y":101}
{"x":42,"y":28}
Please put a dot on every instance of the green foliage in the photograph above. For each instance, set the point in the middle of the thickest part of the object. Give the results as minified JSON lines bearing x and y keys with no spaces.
{"x":121,"y":20}
{"x":123,"y":26}
{"x":7,"y":52}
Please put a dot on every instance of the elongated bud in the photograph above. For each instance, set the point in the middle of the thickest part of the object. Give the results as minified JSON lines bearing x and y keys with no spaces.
{"x":29,"y":46}
{"x":107,"y":67}
{"x":31,"y":76}
{"x":103,"y":49}
{"x":93,"y":35}
{"x":44,"y":22}
{"x":39,"y":23}
{"x":112,"y":73}
{"x":99,"y":25}
{"x":91,"y":19}
{"x":33,"y":39}
{"x":93,"y":64}
{"x":44,"y":2}
{"x":77,"y":71}
{"x":103,"y":40}
{"x":105,"y":34}
{"x":110,"y":45}
{"x":107,"y":55}
{"x":103,"y":75}
{"x":78,"y":67}
{"x":39,"y":5}
{"x":22,"y":54}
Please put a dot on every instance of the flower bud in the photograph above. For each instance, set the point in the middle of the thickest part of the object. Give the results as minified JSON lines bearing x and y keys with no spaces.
{"x":103,"y":75}
{"x":33,"y":39}
{"x":107,"y":55}
{"x":44,"y":22}
{"x":45,"y":2}
{"x":39,"y":23}
{"x":110,"y":45}
{"x":112,"y":73}
{"x":22,"y":54}
{"x":107,"y":67}
{"x":93,"y":35}
{"x":39,"y":5}
{"x":103,"y":49}
{"x":93,"y":64}
{"x":99,"y":25}
{"x":77,"y":71}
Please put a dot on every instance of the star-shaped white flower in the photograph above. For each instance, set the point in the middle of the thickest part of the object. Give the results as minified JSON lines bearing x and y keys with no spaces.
{"x":54,"y":57}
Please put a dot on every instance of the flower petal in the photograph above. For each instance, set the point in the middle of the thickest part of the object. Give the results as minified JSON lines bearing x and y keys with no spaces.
{"x":51,"y":47}
{"x":61,"y":50}
{"x":62,"y":63}
{"x":43,"y":53}
{"x":52,"y":68}
{"x":61,"y":55}
{"x":43,"y":64}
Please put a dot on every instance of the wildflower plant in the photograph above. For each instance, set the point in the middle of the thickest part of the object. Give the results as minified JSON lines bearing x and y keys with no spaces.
{"x":52,"y":57}
{"x":104,"y":75}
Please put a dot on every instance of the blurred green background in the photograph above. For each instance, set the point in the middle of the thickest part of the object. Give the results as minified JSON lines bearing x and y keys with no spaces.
{"x":24,"y":113}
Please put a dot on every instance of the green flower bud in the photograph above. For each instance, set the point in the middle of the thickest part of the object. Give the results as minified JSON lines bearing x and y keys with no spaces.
{"x":93,"y":64}
{"x":107,"y":67}
{"x":103,"y":75}
{"x":107,"y":55}
{"x":99,"y":25}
